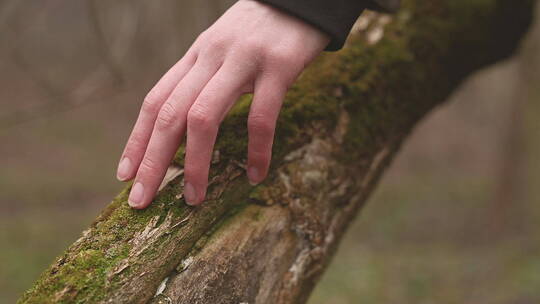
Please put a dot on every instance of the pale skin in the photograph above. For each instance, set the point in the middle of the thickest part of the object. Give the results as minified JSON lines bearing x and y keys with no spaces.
{"x":252,"y":48}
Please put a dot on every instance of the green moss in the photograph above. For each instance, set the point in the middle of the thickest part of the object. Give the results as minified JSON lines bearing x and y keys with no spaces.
{"x":80,"y":275}
{"x":267,"y":193}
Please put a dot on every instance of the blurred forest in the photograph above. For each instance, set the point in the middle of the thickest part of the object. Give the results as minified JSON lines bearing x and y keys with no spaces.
{"x":456,"y":219}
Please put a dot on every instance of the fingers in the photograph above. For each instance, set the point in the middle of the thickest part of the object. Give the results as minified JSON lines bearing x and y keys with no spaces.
{"x":263,"y":114}
{"x":138,"y":140}
{"x":203,"y":121}
{"x":167,"y":133}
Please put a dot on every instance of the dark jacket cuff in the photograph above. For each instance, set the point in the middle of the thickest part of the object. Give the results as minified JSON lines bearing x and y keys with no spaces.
{"x":334,"y":17}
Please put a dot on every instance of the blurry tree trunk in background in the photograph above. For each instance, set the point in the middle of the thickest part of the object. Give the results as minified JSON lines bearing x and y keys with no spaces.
{"x":509,"y":191}
{"x":340,"y":126}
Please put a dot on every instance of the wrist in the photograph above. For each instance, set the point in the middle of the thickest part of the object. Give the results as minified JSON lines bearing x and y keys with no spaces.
{"x":311,"y":34}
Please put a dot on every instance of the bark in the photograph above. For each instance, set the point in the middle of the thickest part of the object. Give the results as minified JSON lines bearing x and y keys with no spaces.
{"x":341,"y":124}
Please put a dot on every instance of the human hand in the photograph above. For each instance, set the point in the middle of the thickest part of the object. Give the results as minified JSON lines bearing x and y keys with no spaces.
{"x":254,"y":48}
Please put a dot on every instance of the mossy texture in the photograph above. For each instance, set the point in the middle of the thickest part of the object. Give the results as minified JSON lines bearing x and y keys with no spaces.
{"x":386,"y":87}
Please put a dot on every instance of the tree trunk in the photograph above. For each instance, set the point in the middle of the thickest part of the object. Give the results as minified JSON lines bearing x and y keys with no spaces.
{"x":341,"y":124}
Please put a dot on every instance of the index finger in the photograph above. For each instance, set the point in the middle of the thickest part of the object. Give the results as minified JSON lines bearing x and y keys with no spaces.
{"x":140,"y":136}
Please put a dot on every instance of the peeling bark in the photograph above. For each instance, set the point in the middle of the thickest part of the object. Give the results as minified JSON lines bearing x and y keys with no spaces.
{"x":340,"y":126}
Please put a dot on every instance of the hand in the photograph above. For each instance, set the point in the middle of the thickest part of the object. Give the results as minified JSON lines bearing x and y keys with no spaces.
{"x":253,"y":47}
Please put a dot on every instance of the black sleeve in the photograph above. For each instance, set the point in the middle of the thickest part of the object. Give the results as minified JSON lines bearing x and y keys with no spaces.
{"x":334,"y":17}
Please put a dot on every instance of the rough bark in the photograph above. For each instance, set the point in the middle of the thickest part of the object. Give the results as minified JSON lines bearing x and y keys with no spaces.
{"x":341,"y":124}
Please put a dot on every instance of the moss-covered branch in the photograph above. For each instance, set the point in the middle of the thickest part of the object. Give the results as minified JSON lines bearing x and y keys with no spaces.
{"x":341,"y":124}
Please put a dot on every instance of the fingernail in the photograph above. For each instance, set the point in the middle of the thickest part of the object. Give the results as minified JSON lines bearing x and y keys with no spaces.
{"x":124,"y":168}
{"x":189,"y":194}
{"x":136,"y":195}
{"x":253,"y":175}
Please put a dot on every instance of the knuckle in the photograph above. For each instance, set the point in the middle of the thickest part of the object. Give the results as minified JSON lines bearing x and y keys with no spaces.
{"x":281,"y":57}
{"x":149,"y":166}
{"x":193,"y":173}
{"x":198,"y":117}
{"x":261,"y":126}
{"x":167,"y":118}
{"x":253,"y":46}
{"x":151,"y":103}
{"x":259,"y":156}
{"x":136,"y":142}
{"x":202,"y":37}
{"x":216,"y":43}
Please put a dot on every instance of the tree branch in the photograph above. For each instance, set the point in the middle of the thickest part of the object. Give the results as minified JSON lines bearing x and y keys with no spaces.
{"x":340,"y":126}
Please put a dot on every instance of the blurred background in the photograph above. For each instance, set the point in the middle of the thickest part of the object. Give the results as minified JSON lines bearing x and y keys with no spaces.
{"x":456,"y":219}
